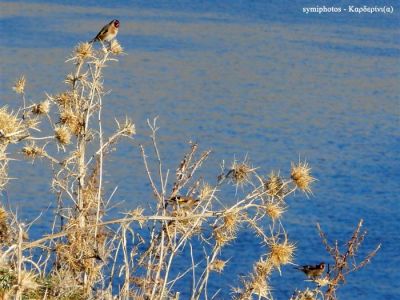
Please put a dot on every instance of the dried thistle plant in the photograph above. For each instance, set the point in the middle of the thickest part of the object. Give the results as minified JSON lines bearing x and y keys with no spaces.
{"x":84,"y":256}
{"x":41,"y":108}
{"x":281,"y":252}
{"x":19,"y":86}
{"x":300,"y":174}
{"x":63,"y":135}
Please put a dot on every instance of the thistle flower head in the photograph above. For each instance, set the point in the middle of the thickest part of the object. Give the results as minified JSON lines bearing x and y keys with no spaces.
{"x":63,"y":135}
{"x":71,"y":120}
{"x":263,"y":268}
{"x":11,"y":127}
{"x":83,"y":51}
{"x":218,"y":265}
{"x":31,"y":150}
{"x":127,"y":128}
{"x":41,"y":108}
{"x":137,"y":213}
{"x":300,"y":174}
{"x":231,"y":221}
{"x":241,"y":172}
{"x":259,"y":286}
{"x":64,"y":99}
{"x":206,"y":192}
{"x":274,"y":210}
{"x":281,"y":253}
{"x":4,"y":232}
{"x":19,"y":86}
{"x":116,"y":48}
{"x":274,"y":185}
{"x":28,"y":281}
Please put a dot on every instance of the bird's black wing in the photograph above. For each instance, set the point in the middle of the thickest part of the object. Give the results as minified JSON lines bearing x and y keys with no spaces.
{"x":103,"y":31}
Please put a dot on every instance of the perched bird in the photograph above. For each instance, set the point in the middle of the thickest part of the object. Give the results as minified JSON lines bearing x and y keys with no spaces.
{"x":108,"y":32}
{"x":183,"y":201}
{"x":312,"y":271}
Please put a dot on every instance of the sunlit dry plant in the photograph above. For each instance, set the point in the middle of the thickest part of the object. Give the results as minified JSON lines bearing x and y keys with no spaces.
{"x":85,"y":254}
{"x":12,"y":127}
{"x":41,"y":108}
{"x":32,"y":151}
{"x":65,"y":99}
{"x":206,"y":192}
{"x":62,"y":135}
{"x":72,"y":120}
{"x":274,"y":185}
{"x":116,"y":47}
{"x":346,"y":261}
{"x":19,"y":86}
{"x":127,"y":128}
{"x":281,"y":252}
{"x":4,"y":230}
{"x":274,"y":210}
{"x":264,"y":267}
{"x":218,"y":265}
{"x":241,"y":172}
{"x":28,"y":281}
{"x":83,"y":51}
{"x":300,"y":173}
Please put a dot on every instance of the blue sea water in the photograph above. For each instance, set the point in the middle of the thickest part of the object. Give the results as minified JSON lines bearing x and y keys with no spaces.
{"x":245,"y":78}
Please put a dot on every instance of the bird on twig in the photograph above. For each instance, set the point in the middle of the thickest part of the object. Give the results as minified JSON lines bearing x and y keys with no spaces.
{"x":107,"y":33}
{"x":312,"y":271}
{"x":183,"y":201}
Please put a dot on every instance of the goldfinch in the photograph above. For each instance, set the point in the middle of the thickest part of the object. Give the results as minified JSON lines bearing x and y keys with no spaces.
{"x":183,"y":202}
{"x":107,"y":33}
{"x":312,"y":271}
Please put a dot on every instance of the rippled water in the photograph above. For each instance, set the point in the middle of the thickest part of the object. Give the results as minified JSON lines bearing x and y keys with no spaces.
{"x":245,"y":78}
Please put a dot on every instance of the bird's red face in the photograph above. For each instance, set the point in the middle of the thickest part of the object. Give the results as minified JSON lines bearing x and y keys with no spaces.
{"x":116,"y":23}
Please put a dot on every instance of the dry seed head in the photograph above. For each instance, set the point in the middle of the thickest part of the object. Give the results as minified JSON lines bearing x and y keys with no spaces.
{"x":222,"y":236}
{"x":128,"y":128}
{"x":63,"y":135}
{"x":137,"y":213}
{"x":19,"y":86}
{"x":323,"y":281}
{"x":4,"y":230}
{"x":259,"y":286}
{"x":263,"y":268}
{"x":281,"y":253}
{"x":64,"y":99}
{"x":305,"y":295}
{"x":11,"y":126}
{"x":71,"y":120}
{"x":116,"y":47}
{"x":274,"y":210}
{"x":31,"y":150}
{"x":300,"y":173}
{"x":28,"y":281}
{"x":217,"y":265}
{"x":41,"y":108}
{"x":70,"y":79}
{"x":83,"y":51}
{"x":206,"y":192}
{"x":274,"y":185}
{"x":231,"y":222}
{"x":3,"y":215}
{"x":241,"y":173}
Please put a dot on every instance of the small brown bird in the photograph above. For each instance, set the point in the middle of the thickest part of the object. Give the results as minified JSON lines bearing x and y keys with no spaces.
{"x":312,"y":271}
{"x":108,"y":32}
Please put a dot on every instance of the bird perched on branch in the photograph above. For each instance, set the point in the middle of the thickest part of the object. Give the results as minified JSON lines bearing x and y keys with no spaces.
{"x":183,"y":201}
{"x":312,"y":271}
{"x":107,"y":33}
